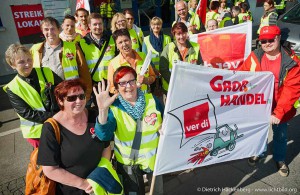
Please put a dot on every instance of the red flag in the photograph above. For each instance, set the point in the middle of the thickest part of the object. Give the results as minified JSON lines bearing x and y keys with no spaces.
{"x":201,"y":10}
{"x":83,"y":4}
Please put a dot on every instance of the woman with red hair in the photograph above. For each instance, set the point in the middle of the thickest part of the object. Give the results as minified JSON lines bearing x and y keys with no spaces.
{"x":79,"y":152}
{"x":133,"y":119}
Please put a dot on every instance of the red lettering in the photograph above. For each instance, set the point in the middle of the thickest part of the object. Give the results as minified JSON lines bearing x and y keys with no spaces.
{"x":234,"y":100}
{"x":245,"y":99}
{"x":225,"y":100}
{"x":216,"y":87}
{"x":217,"y":84}
{"x":249,"y":99}
{"x":227,"y":86}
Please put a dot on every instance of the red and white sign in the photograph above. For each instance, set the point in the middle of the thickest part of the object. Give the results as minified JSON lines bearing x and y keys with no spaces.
{"x":196,"y":120}
{"x":27,"y":20}
{"x":225,"y":48}
{"x":223,"y":116}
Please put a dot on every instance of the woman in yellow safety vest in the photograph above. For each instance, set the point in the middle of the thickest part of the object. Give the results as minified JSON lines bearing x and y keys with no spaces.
{"x":270,"y":15}
{"x":179,"y":50}
{"x":119,"y":21}
{"x":136,"y":33}
{"x":133,"y":118}
{"x":27,"y":92}
{"x":69,"y":34}
{"x":155,"y":42}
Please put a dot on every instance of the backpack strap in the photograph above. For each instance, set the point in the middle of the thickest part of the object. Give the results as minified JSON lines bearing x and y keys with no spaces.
{"x":55,"y":126}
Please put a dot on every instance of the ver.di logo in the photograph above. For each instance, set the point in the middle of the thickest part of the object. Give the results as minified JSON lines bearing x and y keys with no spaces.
{"x":196,"y":120}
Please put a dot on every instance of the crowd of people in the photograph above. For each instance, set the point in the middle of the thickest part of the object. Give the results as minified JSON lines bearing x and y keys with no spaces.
{"x":88,"y":79}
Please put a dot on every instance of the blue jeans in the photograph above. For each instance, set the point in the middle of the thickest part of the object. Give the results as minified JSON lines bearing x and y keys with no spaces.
{"x":279,"y":141}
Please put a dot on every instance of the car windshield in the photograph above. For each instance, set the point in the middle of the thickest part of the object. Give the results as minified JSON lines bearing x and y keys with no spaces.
{"x":293,"y":16}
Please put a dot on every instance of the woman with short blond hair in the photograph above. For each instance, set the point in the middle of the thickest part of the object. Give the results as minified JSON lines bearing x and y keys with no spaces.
{"x":155,"y":42}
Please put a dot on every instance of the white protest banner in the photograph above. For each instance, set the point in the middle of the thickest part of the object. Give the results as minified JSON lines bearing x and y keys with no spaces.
{"x":213,"y":116}
{"x":225,"y":48}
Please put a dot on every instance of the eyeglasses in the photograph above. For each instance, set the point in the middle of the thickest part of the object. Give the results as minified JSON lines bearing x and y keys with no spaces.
{"x":124,"y":83}
{"x":267,"y":41}
{"x":73,"y":98}
{"x":130,"y":18}
{"x":121,"y":21}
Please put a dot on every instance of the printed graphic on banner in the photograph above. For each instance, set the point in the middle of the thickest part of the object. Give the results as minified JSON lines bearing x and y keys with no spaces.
{"x":27,"y":20}
{"x":232,"y":53}
{"x":225,"y":48}
{"x":194,"y":118}
{"x":216,"y":120}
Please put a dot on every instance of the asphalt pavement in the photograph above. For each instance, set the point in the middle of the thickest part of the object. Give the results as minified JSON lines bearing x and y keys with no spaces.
{"x":235,"y":177}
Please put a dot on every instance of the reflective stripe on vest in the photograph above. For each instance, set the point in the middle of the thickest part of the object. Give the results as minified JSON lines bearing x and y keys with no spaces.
{"x":174,"y":56}
{"x":33,"y":98}
{"x":155,"y":54}
{"x":92,"y":54}
{"x":69,"y":63}
{"x":116,"y":65}
{"x":145,"y":140}
{"x":253,"y":65}
{"x":125,"y":133}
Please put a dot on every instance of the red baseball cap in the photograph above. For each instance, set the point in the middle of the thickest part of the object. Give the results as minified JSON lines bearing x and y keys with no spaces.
{"x":269,"y":32}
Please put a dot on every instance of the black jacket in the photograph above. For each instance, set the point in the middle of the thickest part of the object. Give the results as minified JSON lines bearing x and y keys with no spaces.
{"x":22,"y":108}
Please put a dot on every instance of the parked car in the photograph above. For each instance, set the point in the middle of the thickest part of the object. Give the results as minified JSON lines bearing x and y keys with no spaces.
{"x":289,"y":24}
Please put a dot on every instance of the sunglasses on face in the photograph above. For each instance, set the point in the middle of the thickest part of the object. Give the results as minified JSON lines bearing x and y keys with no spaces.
{"x":124,"y":83}
{"x":267,"y":41}
{"x":73,"y":98}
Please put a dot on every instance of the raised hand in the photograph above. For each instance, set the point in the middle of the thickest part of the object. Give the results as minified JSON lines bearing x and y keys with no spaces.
{"x":102,"y":96}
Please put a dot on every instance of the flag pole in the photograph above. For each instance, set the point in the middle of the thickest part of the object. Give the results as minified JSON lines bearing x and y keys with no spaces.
{"x":152,"y":184}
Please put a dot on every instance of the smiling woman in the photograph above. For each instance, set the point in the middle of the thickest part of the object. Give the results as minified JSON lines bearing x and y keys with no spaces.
{"x":129,"y":57}
{"x":133,"y":119}
{"x":26,"y":92}
{"x":70,"y":162}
